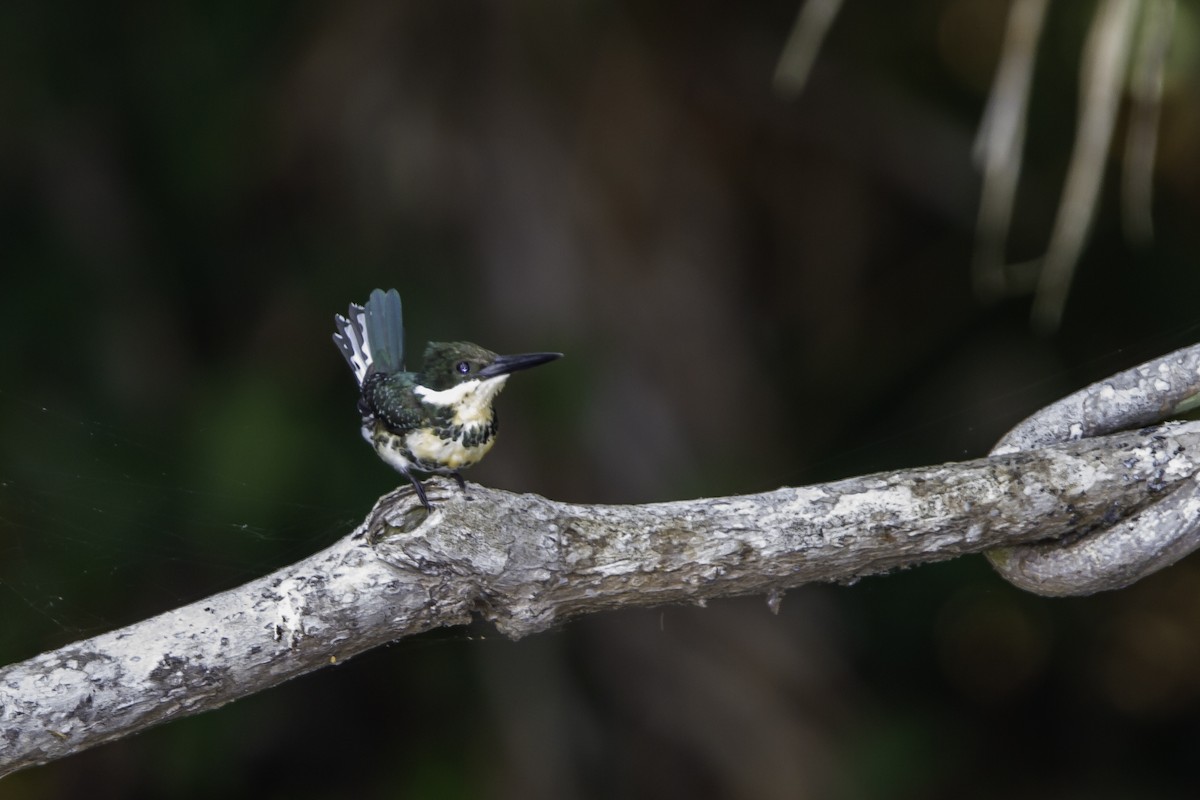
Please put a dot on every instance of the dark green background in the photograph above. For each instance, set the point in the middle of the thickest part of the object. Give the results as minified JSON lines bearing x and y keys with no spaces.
{"x":750,"y":292}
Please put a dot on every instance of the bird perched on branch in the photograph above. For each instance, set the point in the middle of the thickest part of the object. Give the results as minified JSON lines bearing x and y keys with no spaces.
{"x":439,"y":420}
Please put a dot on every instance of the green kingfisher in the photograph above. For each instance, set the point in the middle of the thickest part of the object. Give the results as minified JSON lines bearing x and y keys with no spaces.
{"x":439,"y":420}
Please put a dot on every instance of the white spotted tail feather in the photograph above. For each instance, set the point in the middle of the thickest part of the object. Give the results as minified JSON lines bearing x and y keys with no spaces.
{"x":371,"y":338}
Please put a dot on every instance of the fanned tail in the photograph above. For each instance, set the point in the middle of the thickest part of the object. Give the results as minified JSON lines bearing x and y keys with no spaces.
{"x":371,"y":338}
{"x":385,"y":330}
{"x":352,"y":341}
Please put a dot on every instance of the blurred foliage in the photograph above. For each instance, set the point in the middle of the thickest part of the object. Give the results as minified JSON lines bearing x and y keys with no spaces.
{"x":750,"y":292}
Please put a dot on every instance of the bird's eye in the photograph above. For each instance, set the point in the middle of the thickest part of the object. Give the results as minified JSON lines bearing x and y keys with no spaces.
{"x":463,"y":367}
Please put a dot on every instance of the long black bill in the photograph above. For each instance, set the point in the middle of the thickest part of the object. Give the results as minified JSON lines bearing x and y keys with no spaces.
{"x":506,"y":364}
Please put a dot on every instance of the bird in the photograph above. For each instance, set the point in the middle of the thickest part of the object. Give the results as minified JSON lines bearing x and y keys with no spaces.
{"x":439,"y":420}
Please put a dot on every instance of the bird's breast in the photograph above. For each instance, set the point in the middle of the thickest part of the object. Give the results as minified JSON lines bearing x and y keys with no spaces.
{"x":434,"y":450}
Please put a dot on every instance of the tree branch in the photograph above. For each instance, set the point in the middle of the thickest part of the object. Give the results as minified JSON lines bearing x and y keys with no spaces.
{"x":1112,"y":556}
{"x":527,"y":563}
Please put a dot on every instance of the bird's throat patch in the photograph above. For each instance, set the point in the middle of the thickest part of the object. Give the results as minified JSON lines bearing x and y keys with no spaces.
{"x":471,"y":400}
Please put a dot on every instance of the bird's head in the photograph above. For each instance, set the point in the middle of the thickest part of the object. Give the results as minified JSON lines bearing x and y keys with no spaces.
{"x":460,"y":372}
{"x":448,"y":364}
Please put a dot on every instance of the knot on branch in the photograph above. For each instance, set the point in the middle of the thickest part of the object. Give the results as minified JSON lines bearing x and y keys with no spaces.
{"x":1140,"y":541}
{"x":473,"y":552}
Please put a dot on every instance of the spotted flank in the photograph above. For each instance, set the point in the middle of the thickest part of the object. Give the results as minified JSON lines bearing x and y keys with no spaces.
{"x":432,"y":452}
{"x":439,"y":451}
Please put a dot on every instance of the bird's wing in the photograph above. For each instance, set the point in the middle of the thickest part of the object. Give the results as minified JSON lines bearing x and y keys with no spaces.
{"x":391,"y":399}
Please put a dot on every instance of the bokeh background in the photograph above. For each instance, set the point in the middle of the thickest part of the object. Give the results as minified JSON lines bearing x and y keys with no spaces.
{"x":752,"y":292}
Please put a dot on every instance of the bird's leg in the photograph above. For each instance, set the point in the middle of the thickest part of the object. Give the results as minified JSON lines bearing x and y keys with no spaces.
{"x":461,"y":483}
{"x":420,"y":490}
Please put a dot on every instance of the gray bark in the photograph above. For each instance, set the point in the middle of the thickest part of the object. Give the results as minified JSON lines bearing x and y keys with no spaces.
{"x":527,"y":563}
{"x":1115,"y":555}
